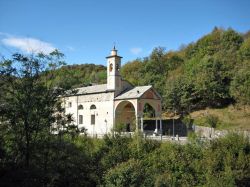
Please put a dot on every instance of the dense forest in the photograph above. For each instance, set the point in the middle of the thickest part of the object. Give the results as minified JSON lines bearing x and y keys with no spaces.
{"x":72,"y":76}
{"x":212,"y":72}
{"x":40,"y":146}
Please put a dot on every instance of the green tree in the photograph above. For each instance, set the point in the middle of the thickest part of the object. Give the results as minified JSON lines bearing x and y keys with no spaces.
{"x":240,"y":85}
{"x":131,"y":72}
{"x":211,"y":80}
{"x":223,"y":159}
{"x":28,"y":106}
{"x":73,"y":76}
{"x":244,"y":51}
{"x":130,"y":173}
{"x":33,"y":154}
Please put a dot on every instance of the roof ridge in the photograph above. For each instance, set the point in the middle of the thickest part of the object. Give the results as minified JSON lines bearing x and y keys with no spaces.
{"x":91,"y":86}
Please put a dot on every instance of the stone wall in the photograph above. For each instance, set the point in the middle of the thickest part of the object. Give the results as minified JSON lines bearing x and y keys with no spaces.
{"x":208,"y":132}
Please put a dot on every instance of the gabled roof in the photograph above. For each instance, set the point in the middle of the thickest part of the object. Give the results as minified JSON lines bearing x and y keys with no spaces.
{"x":92,"y":89}
{"x":135,"y":93}
{"x":101,"y":88}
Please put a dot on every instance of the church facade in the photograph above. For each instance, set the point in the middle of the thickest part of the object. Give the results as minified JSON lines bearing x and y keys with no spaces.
{"x":100,"y":108}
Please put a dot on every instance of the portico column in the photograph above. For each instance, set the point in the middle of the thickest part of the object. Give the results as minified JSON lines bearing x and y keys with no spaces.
{"x":136,"y":123}
{"x":141,"y":123}
{"x":156,"y":125}
{"x":161,"y":125}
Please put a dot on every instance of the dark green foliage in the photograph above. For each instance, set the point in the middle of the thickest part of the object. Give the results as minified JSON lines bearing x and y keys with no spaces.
{"x":116,"y":151}
{"x":74,"y":76}
{"x":179,"y":94}
{"x":130,"y":173}
{"x":207,"y":45}
{"x":244,"y":51}
{"x":131,"y":72}
{"x":223,"y":162}
{"x":30,"y":154}
{"x":212,"y":120}
{"x":27,"y":105}
{"x":210,"y":79}
{"x":199,"y":75}
{"x":179,"y":165}
{"x":240,"y":86}
{"x":188,"y":121}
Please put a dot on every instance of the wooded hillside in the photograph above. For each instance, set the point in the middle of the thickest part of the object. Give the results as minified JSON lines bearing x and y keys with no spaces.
{"x":211,"y":72}
{"x":72,"y":76}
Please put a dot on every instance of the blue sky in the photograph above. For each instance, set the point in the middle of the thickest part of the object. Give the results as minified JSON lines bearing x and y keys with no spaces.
{"x":85,"y":30}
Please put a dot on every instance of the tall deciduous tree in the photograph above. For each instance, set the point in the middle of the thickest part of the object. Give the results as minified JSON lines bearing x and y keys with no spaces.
{"x":28,"y":104}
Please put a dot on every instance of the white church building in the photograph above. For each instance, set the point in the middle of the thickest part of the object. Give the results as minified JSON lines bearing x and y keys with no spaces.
{"x":99,"y":108}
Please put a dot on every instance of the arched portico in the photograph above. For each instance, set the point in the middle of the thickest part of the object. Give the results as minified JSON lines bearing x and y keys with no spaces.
{"x":131,"y":112}
{"x":156,"y":111}
{"x":125,"y":114}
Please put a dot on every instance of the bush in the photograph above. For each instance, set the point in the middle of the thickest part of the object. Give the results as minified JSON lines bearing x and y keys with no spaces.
{"x":188,"y":121}
{"x":212,"y":120}
{"x":130,"y":173}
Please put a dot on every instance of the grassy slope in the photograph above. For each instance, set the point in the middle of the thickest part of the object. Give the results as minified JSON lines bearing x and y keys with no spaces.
{"x":229,"y":118}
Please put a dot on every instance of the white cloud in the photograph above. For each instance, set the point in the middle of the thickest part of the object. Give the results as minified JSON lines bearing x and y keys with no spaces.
{"x":136,"y":50}
{"x":29,"y":45}
{"x":5,"y":34}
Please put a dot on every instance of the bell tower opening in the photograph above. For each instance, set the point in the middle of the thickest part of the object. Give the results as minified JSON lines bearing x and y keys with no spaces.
{"x":114,"y":80}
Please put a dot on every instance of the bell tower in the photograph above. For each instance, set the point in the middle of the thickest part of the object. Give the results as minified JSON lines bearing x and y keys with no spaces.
{"x":114,"y":80}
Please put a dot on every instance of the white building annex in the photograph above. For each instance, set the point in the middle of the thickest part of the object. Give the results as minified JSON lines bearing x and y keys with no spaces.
{"x":99,"y":108}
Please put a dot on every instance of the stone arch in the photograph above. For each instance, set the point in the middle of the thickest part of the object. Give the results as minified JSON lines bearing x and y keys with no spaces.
{"x":155,"y":104}
{"x":149,"y":111}
{"x":125,"y":116}
{"x":145,"y":122}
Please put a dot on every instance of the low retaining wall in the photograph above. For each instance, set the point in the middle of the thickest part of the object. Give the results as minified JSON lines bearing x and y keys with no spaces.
{"x":208,"y":132}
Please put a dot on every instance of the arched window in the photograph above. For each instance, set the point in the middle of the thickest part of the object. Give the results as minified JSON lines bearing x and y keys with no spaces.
{"x":92,"y":107}
{"x":80,"y":107}
{"x":110,"y":67}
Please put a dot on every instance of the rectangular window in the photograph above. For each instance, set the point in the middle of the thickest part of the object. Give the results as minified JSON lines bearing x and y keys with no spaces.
{"x":69,"y":104}
{"x":80,"y":119}
{"x":92,"y":119}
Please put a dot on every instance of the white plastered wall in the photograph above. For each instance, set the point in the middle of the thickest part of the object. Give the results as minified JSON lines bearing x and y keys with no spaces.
{"x":103,"y":112}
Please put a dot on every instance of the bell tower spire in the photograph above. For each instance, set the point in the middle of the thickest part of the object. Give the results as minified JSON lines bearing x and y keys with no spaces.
{"x":114,"y":81}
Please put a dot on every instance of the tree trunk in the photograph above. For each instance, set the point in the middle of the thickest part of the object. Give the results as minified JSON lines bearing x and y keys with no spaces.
{"x":27,"y":144}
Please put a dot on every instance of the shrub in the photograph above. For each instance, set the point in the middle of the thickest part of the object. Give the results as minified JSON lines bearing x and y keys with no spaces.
{"x":212,"y":120}
{"x":130,"y":173}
